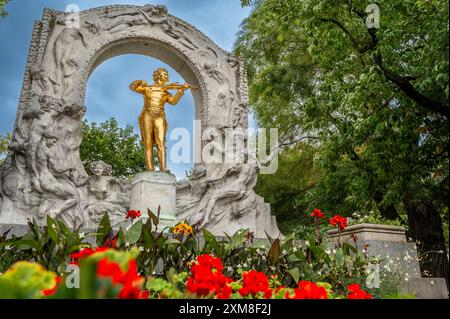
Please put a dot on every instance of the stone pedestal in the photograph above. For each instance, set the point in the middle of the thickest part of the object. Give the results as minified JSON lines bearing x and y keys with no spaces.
{"x":152,"y":189}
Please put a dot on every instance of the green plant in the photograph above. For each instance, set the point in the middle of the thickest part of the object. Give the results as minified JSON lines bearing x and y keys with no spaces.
{"x":48,"y":245}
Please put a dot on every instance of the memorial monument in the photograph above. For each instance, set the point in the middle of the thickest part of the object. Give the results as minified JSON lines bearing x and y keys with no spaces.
{"x":43,"y":173}
{"x":156,"y":190}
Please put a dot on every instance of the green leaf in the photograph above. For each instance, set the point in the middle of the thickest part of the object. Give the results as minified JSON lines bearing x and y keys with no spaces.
{"x":52,"y":229}
{"x":275,"y":251}
{"x":153,"y":217}
{"x":104,"y":228}
{"x":134,"y":232}
{"x":295,"y":274}
{"x":340,"y":260}
{"x":121,"y":238}
{"x":148,"y":237}
{"x":172,"y":241}
{"x":238,"y":239}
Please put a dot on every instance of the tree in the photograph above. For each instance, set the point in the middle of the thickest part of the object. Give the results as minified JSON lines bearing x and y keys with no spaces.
{"x":4,"y":142}
{"x":3,"y":12}
{"x":375,"y":100}
{"x":119,"y":147}
{"x":285,"y":190}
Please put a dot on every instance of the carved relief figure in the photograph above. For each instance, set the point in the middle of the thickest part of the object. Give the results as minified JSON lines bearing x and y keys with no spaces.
{"x":52,"y":179}
{"x":121,"y":21}
{"x":243,"y":177}
{"x":43,"y":116}
{"x":191,"y":192}
{"x":65,"y":66}
{"x":105,"y":194}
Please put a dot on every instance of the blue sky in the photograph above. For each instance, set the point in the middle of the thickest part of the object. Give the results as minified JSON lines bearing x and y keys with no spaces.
{"x":107,"y":92}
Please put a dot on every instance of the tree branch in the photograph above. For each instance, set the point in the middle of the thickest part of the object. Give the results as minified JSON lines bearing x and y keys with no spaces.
{"x":410,"y":91}
{"x":402,"y":82}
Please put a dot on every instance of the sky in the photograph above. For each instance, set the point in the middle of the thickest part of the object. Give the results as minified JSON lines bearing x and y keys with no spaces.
{"x":107,"y":92}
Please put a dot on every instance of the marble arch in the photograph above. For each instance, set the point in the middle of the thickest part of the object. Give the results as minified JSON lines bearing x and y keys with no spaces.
{"x":43,"y":173}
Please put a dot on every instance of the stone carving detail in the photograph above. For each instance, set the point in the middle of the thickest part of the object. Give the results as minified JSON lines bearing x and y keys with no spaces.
{"x":43,"y":173}
{"x":105,"y":194}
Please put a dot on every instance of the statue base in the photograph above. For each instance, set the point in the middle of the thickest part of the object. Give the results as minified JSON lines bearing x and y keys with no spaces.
{"x":151,"y":189}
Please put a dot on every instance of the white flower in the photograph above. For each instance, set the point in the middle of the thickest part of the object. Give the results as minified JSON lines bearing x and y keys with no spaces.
{"x":307,"y":243}
{"x":141,"y":248}
{"x":7,"y":247}
{"x":272,"y":268}
{"x":81,"y":235}
{"x":244,"y":265}
{"x":294,"y":249}
{"x":283,"y":252}
{"x":328,"y":251}
{"x":127,"y":244}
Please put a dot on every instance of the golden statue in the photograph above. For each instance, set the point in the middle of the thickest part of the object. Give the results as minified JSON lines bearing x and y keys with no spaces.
{"x":152,"y":120}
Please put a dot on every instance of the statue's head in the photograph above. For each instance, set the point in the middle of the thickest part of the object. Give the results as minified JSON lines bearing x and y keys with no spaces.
{"x":99,"y":168}
{"x":50,"y":139}
{"x":161,"y":76}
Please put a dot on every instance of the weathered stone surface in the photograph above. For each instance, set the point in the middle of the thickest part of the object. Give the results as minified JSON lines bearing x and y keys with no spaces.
{"x":365,"y":232}
{"x":426,"y":288}
{"x":153,"y":189}
{"x":387,"y":243}
{"x":40,"y":174}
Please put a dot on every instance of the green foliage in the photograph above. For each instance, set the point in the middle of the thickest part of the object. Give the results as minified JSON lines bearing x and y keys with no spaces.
{"x":25,"y":280}
{"x":316,"y":71}
{"x":285,"y":190}
{"x":4,"y":142}
{"x":165,"y":258}
{"x":3,"y":12}
{"x":48,"y":245}
{"x":118,"y":147}
{"x":373,"y":218}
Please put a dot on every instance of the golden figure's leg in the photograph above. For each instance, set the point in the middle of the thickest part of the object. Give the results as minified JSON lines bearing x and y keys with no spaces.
{"x":146,"y":126}
{"x":160,"y":141}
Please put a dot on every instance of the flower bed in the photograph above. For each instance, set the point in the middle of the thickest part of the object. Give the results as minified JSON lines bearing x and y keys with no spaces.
{"x":141,"y":261}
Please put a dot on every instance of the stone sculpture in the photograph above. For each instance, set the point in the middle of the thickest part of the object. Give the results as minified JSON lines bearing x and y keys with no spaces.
{"x":47,"y":134}
{"x":106,"y":194}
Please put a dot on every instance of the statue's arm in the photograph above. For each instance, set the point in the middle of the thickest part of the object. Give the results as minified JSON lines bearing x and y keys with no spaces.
{"x":138,"y":86}
{"x":174,"y":99}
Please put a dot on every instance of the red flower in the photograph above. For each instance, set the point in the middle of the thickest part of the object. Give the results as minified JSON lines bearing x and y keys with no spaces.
{"x":339,"y":221}
{"x":130,"y":280}
{"x":254,"y":283}
{"x":208,"y":261}
{"x":207,"y":278}
{"x":52,"y":291}
{"x":83,"y":253}
{"x":308,"y":290}
{"x":317,"y":213}
{"x":133,"y":214}
{"x":355,"y":292}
